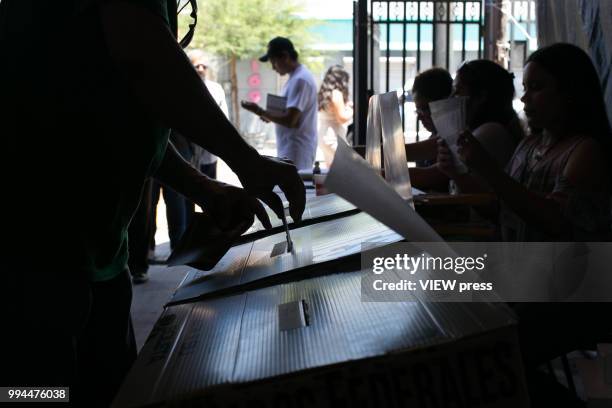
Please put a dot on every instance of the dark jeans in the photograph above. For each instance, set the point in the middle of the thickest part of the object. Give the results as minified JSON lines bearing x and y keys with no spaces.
{"x":549,"y":330}
{"x":140,"y":232}
{"x":178,"y":210}
{"x":107,"y":347}
{"x":70,"y":333}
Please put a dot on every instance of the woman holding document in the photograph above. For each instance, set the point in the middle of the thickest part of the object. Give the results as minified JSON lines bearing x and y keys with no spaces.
{"x":484,"y":92}
{"x":556,"y":187}
{"x":557,"y":184}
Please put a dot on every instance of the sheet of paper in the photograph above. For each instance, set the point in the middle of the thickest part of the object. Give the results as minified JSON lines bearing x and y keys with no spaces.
{"x":276,"y":104}
{"x":374,"y":135}
{"x":353,"y":179}
{"x":394,"y":150}
{"x":450,"y":118}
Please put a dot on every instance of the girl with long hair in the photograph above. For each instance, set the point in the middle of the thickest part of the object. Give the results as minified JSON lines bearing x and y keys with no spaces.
{"x":556,"y":187}
{"x":557,"y":184}
{"x":335,"y":110}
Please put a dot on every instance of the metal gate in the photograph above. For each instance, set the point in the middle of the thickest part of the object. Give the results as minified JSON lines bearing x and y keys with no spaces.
{"x":406,"y":37}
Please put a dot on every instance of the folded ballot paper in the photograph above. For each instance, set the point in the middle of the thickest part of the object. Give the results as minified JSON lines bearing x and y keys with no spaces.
{"x":450,"y":118}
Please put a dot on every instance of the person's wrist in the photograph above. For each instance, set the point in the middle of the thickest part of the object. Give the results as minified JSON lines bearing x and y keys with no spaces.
{"x":244,"y":161}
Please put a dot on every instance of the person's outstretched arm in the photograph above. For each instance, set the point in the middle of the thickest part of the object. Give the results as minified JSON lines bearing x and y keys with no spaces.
{"x":229,"y":205}
{"x":290,"y":119}
{"x":422,"y":150}
{"x":163,"y":80}
{"x":585,"y":171}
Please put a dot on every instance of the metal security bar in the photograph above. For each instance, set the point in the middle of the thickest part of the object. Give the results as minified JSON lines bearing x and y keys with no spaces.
{"x":521,"y":32}
{"x":407,"y":37}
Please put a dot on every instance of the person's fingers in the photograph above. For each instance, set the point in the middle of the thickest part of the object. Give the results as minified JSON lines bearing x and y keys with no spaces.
{"x":284,"y":174}
{"x":296,"y":195}
{"x":443,"y":150}
{"x":260,"y":212}
{"x":445,"y":165}
{"x":280,"y":159}
{"x":293,"y":187}
{"x":466,"y":137}
{"x":274,"y":202}
{"x":465,"y":155}
{"x":444,"y":155}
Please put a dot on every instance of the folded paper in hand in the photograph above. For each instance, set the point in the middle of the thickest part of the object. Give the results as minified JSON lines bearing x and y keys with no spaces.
{"x":450,"y":119}
{"x":276,"y":104}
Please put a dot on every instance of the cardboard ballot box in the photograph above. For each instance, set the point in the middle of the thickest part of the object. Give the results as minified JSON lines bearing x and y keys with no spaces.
{"x":317,"y":248}
{"x":314,"y":343}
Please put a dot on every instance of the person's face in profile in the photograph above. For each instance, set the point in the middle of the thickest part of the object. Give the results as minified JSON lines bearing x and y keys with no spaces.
{"x":545,"y":104}
{"x":460,"y":88}
{"x":475,"y":103}
{"x":422,"y":111}
{"x":280,"y":64}
{"x":201,"y":68}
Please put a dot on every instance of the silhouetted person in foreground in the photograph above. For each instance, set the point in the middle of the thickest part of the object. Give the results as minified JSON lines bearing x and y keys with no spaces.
{"x":84,"y":125}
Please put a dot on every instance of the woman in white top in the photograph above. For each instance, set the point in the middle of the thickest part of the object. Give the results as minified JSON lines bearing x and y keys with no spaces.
{"x":335,"y":111}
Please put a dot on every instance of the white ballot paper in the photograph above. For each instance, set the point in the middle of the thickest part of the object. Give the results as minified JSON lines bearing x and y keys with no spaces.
{"x":385,"y":126}
{"x":450,"y":118}
{"x":353,"y":179}
{"x":276,"y":104}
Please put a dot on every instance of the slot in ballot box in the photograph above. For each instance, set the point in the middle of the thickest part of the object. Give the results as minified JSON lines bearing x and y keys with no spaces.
{"x":202,"y":249}
{"x":315,"y":343}
{"x":317,"y":249}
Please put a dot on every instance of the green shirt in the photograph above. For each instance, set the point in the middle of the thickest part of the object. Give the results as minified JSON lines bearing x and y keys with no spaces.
{"x":80,"y":146}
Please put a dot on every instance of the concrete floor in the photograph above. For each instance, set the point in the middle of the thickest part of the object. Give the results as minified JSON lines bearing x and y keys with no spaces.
{"x":150,"y":297}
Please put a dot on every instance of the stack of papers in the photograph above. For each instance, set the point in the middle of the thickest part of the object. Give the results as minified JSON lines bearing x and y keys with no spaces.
{"x":276,"y":104}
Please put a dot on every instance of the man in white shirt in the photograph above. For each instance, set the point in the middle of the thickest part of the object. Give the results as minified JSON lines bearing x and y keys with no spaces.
{"x":296,"y":128}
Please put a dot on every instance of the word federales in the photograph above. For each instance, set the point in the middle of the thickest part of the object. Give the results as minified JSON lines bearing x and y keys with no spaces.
{"x":431,"y":285}
{"x":412,"y":264}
